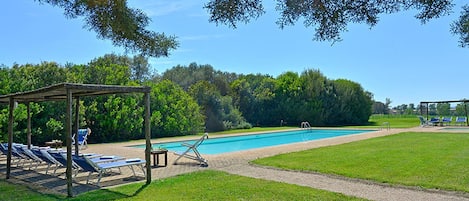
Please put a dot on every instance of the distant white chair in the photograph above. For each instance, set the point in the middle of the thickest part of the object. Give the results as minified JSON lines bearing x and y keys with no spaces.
{"x":447,"y":120}
{"x":192,"y":152}
{"x":423,"y":122}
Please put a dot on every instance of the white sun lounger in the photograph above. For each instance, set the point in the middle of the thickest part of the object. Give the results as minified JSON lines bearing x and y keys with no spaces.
{"x":195,"y":155}
{"x":89,"y":166}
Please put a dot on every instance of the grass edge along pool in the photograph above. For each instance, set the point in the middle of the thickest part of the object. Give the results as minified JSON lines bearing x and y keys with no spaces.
{"x":228,"y":144}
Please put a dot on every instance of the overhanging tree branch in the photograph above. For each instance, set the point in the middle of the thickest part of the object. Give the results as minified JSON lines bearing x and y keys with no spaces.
{"x":329,"y":17}
{"x":461,"y":27}
{"x":125,"y":27}
{"x":232,"y":11}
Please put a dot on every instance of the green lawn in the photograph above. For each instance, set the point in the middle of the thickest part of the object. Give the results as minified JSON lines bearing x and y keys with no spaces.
{"x":395,"y":121}
{"x":429,"y":160}
{"x":203,"y":185}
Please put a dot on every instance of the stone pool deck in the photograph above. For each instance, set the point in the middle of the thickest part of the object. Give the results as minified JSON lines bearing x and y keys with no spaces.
{"x":238,"y":163}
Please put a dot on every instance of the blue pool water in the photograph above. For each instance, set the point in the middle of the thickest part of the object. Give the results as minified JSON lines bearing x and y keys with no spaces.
{"x":245,"y":142}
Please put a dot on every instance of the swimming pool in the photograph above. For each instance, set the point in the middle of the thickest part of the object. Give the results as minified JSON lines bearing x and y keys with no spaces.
{"x":246,"y":142}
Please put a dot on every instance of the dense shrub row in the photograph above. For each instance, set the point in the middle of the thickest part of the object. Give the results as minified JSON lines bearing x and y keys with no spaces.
{"x":184,"y":99}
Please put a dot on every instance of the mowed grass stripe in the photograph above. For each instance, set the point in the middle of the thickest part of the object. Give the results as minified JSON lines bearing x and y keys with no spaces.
{"x":212,"y":185}
{"x":429,"y":160}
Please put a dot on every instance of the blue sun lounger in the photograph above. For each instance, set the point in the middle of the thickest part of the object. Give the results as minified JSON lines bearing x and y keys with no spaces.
{"x":27,"y":154}
{"x":43,"y":154}
{"x":14,"y":154}
{"x":62,"y":159}
{"x":3,"y":151}
{"x":89,"y":166}
{"x":447,"y":120}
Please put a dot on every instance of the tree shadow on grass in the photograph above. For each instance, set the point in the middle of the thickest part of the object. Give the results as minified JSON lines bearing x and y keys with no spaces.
{"x":112,"y":194}
{"x":372,"y":123}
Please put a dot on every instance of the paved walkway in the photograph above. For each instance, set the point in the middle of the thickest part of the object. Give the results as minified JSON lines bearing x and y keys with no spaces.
{"x":238,"y":163}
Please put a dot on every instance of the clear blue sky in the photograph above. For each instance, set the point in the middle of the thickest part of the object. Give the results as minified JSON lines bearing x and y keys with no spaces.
{"x":398,"y":59}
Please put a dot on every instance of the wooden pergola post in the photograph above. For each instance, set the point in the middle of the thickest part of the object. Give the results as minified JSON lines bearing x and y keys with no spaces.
{"x":147,"y":135}
{"x":10,"y":135}
{"x":68,"y":141}
{"x":77,"y":124}
{"x":28,"y":108}
{"x":426,"y":106}
{"x":465,"y":110}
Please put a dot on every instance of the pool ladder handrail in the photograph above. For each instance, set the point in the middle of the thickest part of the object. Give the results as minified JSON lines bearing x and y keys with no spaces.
{"x":305,"y":125}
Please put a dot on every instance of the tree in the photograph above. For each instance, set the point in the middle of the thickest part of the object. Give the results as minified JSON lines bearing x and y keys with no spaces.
{"x":125,"y":26}
{"x":461,"y":109}
{"x":174,"y":112}
{"x":140,"y":68}
{"x":331,"y":18}
{"x":461,"y":27}
{"x":109,"y":69}
{"x":5,"y":81}
{"x":188,"y":76}
{"x":378,"y":108}
{"x":443,"y":108}
{"x":288,"y":94}
{"x":209,"y":100}
{"x":122,"y":25}
{"x":387,"y":105}
{"x":232,"y":117}
{"x":432,"y":109}
{"x":315,"y":94}
{"x":355,"y":103}
{"x":401,"y":108}
{"x":410,"y":109}
{"x":254,"y":95}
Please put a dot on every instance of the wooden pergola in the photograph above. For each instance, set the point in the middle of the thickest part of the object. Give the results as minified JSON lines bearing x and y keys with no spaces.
{"x":67,"y":92}
{"x":426,"y":103}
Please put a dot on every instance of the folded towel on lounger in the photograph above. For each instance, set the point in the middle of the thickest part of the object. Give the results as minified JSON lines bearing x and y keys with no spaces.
{"x":107,"y":157}
{"x":133,"y":160}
